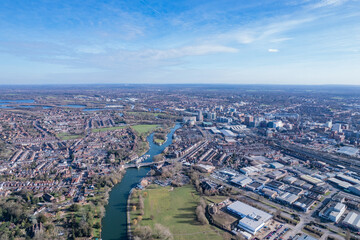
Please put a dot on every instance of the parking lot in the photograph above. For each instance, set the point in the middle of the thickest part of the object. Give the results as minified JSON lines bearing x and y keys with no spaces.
{"x":273,"y":231}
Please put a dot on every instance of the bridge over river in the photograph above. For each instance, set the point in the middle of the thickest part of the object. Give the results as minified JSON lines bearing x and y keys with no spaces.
{"x":142,"y":164}
{"x":114,"y":224}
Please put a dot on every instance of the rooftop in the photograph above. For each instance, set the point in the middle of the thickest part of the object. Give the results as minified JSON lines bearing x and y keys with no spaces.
{"x":351,"y":151}
{"x":352,"y":219}
{"x":245,"y":210}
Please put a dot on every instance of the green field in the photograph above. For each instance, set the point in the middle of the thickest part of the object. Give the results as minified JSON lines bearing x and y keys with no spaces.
{"x":67,"y":136}
{"x":107,"y":129}
{"x":144,"y":129}
{"x":175,"y":209}
{"x":158,"y":141}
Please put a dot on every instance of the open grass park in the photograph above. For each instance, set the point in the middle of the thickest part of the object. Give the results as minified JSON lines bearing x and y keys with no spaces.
{"x":175,"y":209}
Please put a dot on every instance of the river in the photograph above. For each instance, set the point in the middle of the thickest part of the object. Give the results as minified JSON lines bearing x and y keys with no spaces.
{"x":114,"y":224}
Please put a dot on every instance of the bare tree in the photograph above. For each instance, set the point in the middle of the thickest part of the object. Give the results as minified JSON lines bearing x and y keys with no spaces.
{"x":162,"y":232}
{"x":141,"y":202}
{"x":158,"y":158}
{"x":143,"y":232}
{"x":200,"y":215}
{"x":203,"y":202}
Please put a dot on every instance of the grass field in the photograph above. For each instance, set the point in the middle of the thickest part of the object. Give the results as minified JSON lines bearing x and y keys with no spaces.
{"x":66,"y":136}
{"x":158,"y":141}
{"x":144,"y":129}
{"x":107,"y":129}
{"x":175,"y":209}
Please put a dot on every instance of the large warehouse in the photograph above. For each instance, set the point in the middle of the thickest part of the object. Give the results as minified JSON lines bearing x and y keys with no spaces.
{"x":355,"y":189}
{"x":352,"y":220}
{"x":252,"y":219}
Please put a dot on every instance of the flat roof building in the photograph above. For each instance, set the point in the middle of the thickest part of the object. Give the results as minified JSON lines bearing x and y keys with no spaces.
{"x":276,"y":165}
{"x":340,"y":183}
{"x":287,"y":198}
{"x":205,"y":167}
{"x":227,"y":133}
{"x":312,"y":180}
{"x":355,"y":189}
{"x":269,"y":193}
{"x":333,"y":211}
{"x":348,"y":179}
{"x":289,"y":179}
{"x":252,"y":219}
{"x":352,"y":220}
{"x":304,"y":203}
{"x":250,"y":170}
{"x":350,"y":151}
{"x":241,"y":181}
{"x":253,"y":186}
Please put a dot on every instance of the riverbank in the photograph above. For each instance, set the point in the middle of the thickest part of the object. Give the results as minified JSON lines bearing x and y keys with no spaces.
{"x":129,"y":236}
{"x":101,"y":200}
{"x":161,"y":135}
{"x":141,"y":131}
{"x":114,"y":223}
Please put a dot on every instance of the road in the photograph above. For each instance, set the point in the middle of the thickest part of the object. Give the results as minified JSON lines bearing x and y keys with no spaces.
{"x":305,"y":218}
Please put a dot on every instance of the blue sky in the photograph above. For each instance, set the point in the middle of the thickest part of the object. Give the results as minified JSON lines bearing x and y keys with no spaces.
{"x":190,"y":41}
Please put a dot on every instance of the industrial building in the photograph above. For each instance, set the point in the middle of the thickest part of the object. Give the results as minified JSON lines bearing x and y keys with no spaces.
{"x":333,"y":211}
{"x":241,"y":181}
{"x":277,"y":174}
{"x":269,"y":193}
{"x":348,"y":179}
{"x":355,"y":189}
{"x":204,"y":168}
{"x":350,"y":151}
{"x":227,"y":133}
{"x":276,"y":165}
{"x":304,"y":203}
{"x":275,"y":185}
{"x":312,"y":180}
{"x":289,"y":179}
{"x":339,"y":183}
{"x":352,"y":220}
{"x":287,"y":198}
{"x":250,"y":170}
{"x":254,"y":186}
{"x":252,"y":219}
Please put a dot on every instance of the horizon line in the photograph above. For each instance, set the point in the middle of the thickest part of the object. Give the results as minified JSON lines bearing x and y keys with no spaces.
{"x":165,"y":84}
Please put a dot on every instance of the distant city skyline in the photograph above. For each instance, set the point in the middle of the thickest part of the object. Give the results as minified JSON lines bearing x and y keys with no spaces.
{"x":232,"y":42}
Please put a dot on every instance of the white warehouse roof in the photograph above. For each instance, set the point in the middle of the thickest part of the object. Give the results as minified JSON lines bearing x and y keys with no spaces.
{"x":253,"y":219}
{"x":352,"y":219}
{"x":351,"y":151}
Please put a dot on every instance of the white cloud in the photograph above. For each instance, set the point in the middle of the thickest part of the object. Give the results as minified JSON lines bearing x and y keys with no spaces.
{"x":283,"y":26}
{"x":273,"y":50}
{"x":245,"y":37}
{"x":262,"y":31}
{"x":325,"y":3}
{"x":277,"y":40}
{"x":147,"y":58}
{"x":189,"y":51}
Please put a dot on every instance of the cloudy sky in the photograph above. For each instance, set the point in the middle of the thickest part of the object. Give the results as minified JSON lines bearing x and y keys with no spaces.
{"x":182,"y":41}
